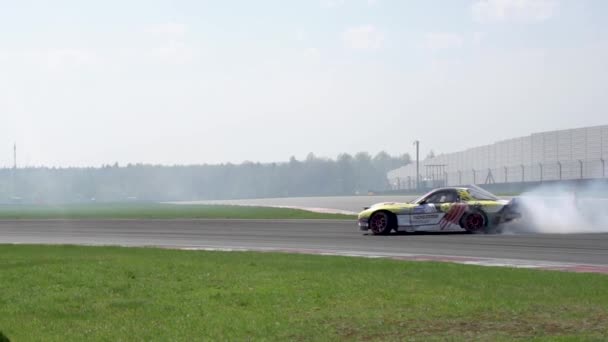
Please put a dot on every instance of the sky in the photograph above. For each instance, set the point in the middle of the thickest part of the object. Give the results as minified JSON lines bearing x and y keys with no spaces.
{"x":86,"y":83}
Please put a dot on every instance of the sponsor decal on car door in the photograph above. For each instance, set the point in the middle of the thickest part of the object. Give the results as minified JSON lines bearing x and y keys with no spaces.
{"x":425,"y":215}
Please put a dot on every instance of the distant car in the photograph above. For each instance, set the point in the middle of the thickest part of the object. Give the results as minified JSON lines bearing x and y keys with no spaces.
{"x":470,"y":208}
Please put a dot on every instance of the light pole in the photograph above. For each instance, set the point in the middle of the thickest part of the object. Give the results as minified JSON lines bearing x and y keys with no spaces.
{"x":417,"y":144}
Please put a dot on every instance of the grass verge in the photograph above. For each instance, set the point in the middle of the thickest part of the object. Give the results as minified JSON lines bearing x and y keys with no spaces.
{"x":57,"y":293}
{"x":156,"y":211}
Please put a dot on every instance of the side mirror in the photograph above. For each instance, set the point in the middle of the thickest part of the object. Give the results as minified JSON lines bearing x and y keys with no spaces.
{"x":423,"y":202}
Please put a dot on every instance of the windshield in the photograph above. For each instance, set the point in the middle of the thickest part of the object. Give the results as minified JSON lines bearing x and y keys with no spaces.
{"x":417,"y":200}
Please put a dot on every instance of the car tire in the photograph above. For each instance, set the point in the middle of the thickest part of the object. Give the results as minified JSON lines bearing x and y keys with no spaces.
{"x":381,"y":223}
{"x":475,"y":222}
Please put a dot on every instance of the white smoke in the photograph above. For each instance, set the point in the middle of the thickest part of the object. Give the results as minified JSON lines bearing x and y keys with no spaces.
{"x":563,"y":209}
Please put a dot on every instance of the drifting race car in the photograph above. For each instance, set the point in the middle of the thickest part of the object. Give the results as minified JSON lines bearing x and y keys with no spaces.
{"x":470,"y":208}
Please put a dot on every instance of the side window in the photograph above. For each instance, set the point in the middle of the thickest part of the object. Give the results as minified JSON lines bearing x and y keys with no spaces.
{"x":434,"y":198}
{"x":442,"y":197}
{"x":451,"y":197}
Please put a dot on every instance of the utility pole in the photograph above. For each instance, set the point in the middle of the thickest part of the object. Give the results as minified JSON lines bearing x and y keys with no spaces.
{"x":417,"y":144}
{"x":14,"y":173}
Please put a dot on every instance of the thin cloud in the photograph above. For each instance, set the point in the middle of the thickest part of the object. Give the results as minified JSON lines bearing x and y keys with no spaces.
{"x":312,"y":53}
{"x":331,"y":3}
{"x":53,"y":58}
{"x":301,"y":35}
{"x":436,"y":41}
{"x":173,"y":53}
{"x":365,"y":37}
{"x":339,"y":3}
{"x":172,"y":47}
{"x":513,"y":10}
{"x":60,"y":58}
{"x":169,"y":29}
{"x":478,"y":38}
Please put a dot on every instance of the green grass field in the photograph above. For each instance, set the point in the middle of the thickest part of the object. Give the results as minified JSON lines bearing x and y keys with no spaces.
{"x":155,"y":211}
{"x":58,"y":293}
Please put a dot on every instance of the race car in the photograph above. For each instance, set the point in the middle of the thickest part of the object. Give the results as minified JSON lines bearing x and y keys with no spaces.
{"x":470,"y":209}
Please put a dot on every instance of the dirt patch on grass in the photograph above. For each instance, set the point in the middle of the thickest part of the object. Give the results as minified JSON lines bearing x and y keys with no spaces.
{"x":475,"y":328}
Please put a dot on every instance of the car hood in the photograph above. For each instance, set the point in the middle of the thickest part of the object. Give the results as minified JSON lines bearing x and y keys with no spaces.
{"x":392,"y":205}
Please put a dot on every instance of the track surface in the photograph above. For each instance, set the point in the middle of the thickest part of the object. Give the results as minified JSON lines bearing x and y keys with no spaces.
{"x":337,"y":204}
{"x":346,"y":203}
{"x":319,"y":236}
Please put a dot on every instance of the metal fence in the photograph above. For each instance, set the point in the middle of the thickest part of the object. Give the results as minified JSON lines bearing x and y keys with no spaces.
{"x":550,"y":156}
{"x":538,"y":172}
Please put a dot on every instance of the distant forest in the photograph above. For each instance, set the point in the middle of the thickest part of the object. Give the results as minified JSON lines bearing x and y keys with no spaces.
{"x":314,"y":176}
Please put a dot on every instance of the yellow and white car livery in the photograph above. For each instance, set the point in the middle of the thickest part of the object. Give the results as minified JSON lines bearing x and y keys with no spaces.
{"x":468,"y":208}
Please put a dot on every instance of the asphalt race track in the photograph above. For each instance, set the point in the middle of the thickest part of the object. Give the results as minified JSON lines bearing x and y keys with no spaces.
{"x":309,"y":236}
{"x":350,"y":204}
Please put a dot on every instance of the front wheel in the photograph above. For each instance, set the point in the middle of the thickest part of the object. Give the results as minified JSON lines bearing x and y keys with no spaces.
{"x":380,"y":223}
{"x":475,"y":222}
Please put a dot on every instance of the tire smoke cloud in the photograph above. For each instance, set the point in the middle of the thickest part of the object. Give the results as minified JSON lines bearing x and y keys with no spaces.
{"x":562,"y":209}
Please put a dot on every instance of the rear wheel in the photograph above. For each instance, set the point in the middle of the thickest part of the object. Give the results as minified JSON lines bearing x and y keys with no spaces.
{"x":475,"y":222}
{"x":381,"y":223}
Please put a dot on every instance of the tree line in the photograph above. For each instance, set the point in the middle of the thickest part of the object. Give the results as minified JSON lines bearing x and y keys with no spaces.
{"x":314,"y":176}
